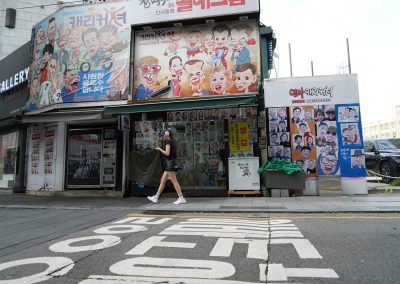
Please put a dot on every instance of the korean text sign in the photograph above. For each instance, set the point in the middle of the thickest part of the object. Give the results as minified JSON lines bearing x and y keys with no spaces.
{"x":80,"y":54}
{"x":197,"y":61}
{"x":153,"y":11}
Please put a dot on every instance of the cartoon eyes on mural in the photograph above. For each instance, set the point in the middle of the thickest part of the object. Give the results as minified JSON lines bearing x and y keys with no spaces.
{"x":330,"y":112}
{"x":325,"y":160}
{"x":238,"y":41}
{"x":150,"y":68}
{"x":331,"y":132}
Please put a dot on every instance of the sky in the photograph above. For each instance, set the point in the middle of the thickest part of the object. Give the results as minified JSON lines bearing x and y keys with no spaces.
{"x":317,"y":31}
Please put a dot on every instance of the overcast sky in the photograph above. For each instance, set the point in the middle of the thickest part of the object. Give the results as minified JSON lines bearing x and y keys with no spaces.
{"x":317,"y":31}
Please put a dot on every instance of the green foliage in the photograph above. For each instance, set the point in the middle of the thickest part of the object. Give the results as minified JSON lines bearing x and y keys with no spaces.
{"x":395,"y":182}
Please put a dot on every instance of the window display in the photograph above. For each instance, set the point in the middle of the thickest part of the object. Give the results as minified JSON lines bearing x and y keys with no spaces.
{"x":8,"y":150}
{"x":84,"y":158}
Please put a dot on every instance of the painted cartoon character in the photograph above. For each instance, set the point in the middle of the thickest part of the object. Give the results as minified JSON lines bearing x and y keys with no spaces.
{"x":209,"y":43}
{"x":221,"y":34}
{"x":62,"y":53}
{"x":176,"y":69}
{"x":193,"y":43}
{"x":220,"y":80}
{"x":40,"y":39}
{"x":119,"y":83}
{"x":51,"y":31}
{"x":96,"y":57}
{"x":147,"y":76}
{"x":68,"y":92}
{"x":240,"y":37}
{"x":196,"y":76}
{"x":246,"y":76}
{"x":328,"y":163}
{"x":109,"y":39}
{"x":173,"y":44}
{"x":74,"y":44}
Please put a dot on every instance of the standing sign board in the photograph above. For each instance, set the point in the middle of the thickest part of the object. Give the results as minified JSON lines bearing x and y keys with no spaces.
{"x":148,"y":12}
{"x":243,"y":173}
{"x":316,"y":121}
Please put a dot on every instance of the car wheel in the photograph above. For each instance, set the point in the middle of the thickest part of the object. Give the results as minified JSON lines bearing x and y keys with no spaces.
{"x":385,"y":170}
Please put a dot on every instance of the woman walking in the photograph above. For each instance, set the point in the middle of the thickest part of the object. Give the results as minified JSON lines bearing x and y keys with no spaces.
{"x":167,"y":158}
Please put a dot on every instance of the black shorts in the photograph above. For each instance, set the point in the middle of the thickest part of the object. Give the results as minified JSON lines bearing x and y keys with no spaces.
{"x":168,"y":167}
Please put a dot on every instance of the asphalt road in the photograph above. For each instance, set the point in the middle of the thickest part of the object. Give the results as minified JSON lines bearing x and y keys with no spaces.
{"x":102,"y":246}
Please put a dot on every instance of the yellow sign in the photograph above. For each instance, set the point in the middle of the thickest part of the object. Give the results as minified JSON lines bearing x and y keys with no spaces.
{"x":239,"y":137}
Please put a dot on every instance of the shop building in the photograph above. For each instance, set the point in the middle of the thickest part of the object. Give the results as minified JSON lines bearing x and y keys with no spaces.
{"x":196,"y":69}
{"x":13,"y":94}
{"x":80,"y":63}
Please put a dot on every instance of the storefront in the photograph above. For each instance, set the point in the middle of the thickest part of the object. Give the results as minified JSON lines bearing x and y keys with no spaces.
{"x":79,"y":66}
{"x":13,"y":93}
{"x":316,"y":123}
{"x":198,"y":76}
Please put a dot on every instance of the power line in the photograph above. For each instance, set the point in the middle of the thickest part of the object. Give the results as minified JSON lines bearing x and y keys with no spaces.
{"x":46,"y":5}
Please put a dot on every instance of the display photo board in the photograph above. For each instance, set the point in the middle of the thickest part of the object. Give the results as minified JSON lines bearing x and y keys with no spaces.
{"x":318,"y":120}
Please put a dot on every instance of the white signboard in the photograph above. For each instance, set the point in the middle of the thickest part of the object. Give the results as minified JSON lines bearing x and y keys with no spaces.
{"x":153,"y":11}
{"x":41,"y":167}
{"x":243,"y":173}
{"x":317,"y":90}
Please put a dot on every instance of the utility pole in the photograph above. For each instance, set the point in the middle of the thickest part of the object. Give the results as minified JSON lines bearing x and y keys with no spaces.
{"x":312,"y":68}
{"x":290,"y":60}
{"x":348,"y":55}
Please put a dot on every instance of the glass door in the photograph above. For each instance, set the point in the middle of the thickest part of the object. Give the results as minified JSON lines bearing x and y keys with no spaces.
{"x":84,"y":158}
{"x":8,"y":159}
{"x":202,"y":148}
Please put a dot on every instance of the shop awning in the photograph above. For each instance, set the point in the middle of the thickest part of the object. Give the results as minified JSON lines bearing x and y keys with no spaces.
{"x":183,"y":104}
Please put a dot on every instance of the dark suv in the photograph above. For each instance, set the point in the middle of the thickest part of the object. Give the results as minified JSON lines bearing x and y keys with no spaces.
{"x":383,"y":156}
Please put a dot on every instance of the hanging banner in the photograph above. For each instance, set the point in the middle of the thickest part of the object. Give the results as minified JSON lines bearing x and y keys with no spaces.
{"x":197,"y":61}
{"x":149,"y":12}
{"x":239,"y":139}
{"x":316,"y":90}
{"x":81,"y":54}
{"x":352,"y":156}
{"x":42,"y":158}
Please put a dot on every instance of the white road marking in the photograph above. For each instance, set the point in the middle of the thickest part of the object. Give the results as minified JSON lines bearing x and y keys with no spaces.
{"x":57,"y":265}
{"x":143,"y":221}
{"x":120,"y":229}
{"x":94,"y":279}
{"x":156,"y":241}
{"x":173,"y":267}
{"x":66,"y":246}
{"x":303,"y":247}
{"x":256,"y":248}
{"x":276,"y":272}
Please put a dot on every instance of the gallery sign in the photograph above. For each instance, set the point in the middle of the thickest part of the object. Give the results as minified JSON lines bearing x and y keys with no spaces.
{"x":14,"y":80}
{"x":317,"y":90}
{"x":154,"y":11}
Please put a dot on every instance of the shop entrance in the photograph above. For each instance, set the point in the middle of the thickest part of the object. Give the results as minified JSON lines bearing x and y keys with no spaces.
{"x":91,"y":158}
{"x":8,"y":159}
{"x":202,"y":147}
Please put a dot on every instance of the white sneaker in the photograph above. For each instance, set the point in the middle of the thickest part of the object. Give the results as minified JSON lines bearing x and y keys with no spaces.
{"x":153,"y":198}
{"x":180,"y":200}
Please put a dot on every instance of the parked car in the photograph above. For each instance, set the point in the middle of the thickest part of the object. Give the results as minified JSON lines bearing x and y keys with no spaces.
{"x":383,"y":156}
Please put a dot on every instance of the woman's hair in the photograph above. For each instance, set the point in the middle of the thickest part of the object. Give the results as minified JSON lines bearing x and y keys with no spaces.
{"x":172,"y":138}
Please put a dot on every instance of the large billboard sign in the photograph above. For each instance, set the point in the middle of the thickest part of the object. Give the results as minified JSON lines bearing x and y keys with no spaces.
{"x":316,"y":90}
{"x":205,"y":60}
{"x":81,"y":54}
{"x":154,"y":11}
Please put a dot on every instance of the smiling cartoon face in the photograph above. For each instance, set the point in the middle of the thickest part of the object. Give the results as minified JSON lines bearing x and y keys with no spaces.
{"x":40,"y":36}
{"x":195,"y":73}
{"x":74,"y":39}
{"x":92,"y":42}
{"x":244,"y":80}
{"x":329,"y":164}
{"x":219,"y":82}
{"x":238,"y":39}
{"x":148,"y":70}
{"x":176,"y":66}
{"x":221,"y":38}
{"x":193,"y":39}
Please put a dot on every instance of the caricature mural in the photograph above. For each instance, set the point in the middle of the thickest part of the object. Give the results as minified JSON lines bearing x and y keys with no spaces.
{"x":80,"y":54}
{"x":205,"y":60}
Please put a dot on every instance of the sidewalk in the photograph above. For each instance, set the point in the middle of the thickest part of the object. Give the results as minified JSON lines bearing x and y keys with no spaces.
{"x":376,"y":201}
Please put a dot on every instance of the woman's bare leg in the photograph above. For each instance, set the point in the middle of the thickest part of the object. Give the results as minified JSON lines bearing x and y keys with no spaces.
{"x":174,"y":180}
{"x":162,"y":184}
